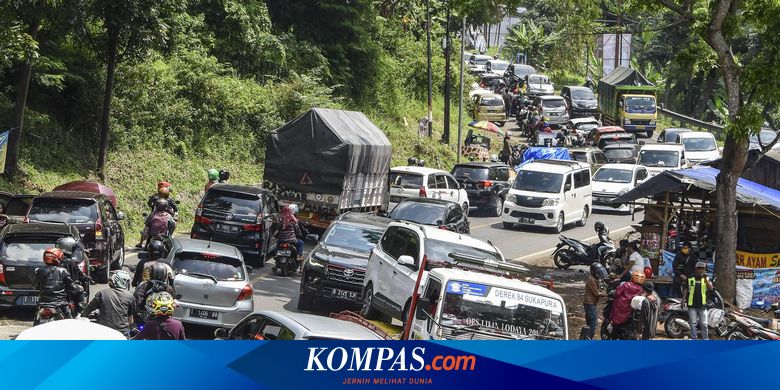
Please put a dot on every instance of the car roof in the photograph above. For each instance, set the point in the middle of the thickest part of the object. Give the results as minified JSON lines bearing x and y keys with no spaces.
{"x":621,"y":166}
{"x":604,"y":129}
{"x":480,"y":164}
{"x":619,"y":146}
{"x":696,"y":134}
{"x":499,"y":61}
{"x":435,"y":233}
{"x":480,"y":92}
{"x":71,"y":195}
{"x":577,"y":121}
{"x":554,"y":166}
{"x":677,"y":129}
{"x":353,"y":217}
{"x":415,"y":169}
{"x":486,"y":278}
{"x":42,"y":228}
{"x":491,"y":94}
{"x":578,"y":87}
{"x":246,"y":189}
{"x":538,"y":75}
{"x":324,"y":327}
{"x":191,"y":245}
{"x":663,"y":147}
{"x":571,"y":150}
{"x":550,"y":97}
{"x":435,"y":201}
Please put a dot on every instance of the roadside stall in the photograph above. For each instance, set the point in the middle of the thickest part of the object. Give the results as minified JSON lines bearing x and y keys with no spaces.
{"x":476,"y":146}
{"x":682,"y":208}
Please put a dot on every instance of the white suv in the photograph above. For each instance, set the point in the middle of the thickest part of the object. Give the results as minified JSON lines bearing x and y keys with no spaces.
{"x":550,"y":193}
{"x":412,"y":182}
{"x":395,"y":262}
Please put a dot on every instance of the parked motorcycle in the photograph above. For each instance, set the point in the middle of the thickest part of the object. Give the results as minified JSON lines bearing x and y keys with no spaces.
{"x":570,"y":252}
{"x":676,"y":324}
{"x":745,"y":327}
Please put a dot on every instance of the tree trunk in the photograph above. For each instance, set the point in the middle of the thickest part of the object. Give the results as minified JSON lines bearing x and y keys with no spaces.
{"x":113,"y":40}
{"x":22,"y":88}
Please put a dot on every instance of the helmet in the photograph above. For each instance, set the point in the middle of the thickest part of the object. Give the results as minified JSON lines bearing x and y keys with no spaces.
{"x":224,"y":175}
{"x":159,"y":271}
{"x":599,"y":227}
{"x":161,"y":184}
{"x":52,"y":256}
{"x":598,"y":270}
{"x":701,"y":264}
{"x":637,"y":301}
{"x":66,"y":244}
{"x":648,"y":286}
{"x":161,"y":205}
{"x":156,"y":249}
{"x":294,"y":208}
{"x":638,"y":277}
{"x":412,"y":161}
{"x":163,"y":192}
{"x":120,"y":279}
{"x":213,"y":174}
{"x":160,"y":304}
{"x":420,"y":163}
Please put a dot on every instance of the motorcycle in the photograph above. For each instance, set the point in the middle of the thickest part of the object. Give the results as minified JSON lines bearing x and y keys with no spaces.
{"x":570,"y":252}
{"x":286,"y":256}
{"x":745,"y":327}
{"x":676,"y":323}
{"x":49,"y":312}
{"x":627,"y":331}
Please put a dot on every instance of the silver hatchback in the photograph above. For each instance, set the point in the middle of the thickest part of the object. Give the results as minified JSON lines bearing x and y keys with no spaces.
{"x":212,"y":283}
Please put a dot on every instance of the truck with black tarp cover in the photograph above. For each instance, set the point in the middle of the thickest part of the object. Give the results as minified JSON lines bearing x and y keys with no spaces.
{"x":328,"y":162}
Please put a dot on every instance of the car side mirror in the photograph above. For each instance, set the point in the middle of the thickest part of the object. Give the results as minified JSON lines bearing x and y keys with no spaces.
{"x":120,"y":216}
{"x":313,"y":237}
{"x":221,"y":334}
{"x":567,"y":187}
{"x":406,"y":260}
{"x":423,"y":306}
{"x":641,"y":142}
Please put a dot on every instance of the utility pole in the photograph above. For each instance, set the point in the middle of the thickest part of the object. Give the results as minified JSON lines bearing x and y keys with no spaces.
{"x":618,"y":36}
{"x":460,"y":90}
{"x":430,"y":77}
{"x":445,"y":138}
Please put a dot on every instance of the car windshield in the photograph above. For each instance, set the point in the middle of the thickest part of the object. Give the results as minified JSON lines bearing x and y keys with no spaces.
{"x":406,"y":180}
{"x":553,"y":103}
{"x":538,"y":80}
{"x":232,"y":202}
{"x":491,"y":101}
{"x":538,"y":181}
{"x":586,"y":127}
{"x":507,"y":313}
{"x":613,"y":175}
{"x":498,"y":65}
{"x":582,"y":94}
{"x":580,"y":156}
{"x":220,"y":267}
{"x":619,"y":154}
{"x":481,"y":61}
{"x":422,"y":213}
{"x":63,"y":210}
{"x":523,"y":70}
{"x":767,"y":136}
{"x":471,"y":173}
{"x":25,"y":251}
{"x":640,"y":101}
{"x":659,"y":158}
{"x":699,"y":144}
{"x":352,"y":237}
{"x":439,"y":251}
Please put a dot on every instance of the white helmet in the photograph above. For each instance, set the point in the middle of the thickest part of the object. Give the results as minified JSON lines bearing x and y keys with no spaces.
{"x":294,"y":208}
{"x":636,"y":302}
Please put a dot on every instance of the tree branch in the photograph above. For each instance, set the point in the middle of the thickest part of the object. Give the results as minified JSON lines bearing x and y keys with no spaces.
{"x":674,"y":7}
{"x":771,"y":121}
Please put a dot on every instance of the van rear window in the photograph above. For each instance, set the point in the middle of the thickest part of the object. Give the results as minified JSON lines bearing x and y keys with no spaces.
{"x":63,"y":210}
{"x":232,"y":202}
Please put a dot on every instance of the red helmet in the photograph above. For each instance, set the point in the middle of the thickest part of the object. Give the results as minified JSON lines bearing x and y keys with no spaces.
{"x":52,"y":256}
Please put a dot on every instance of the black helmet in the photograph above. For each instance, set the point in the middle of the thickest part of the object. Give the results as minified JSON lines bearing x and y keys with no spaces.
{"x":156,"y":249}
{"x":597,"y":269}
{"x":224,"y":175}
{"x":420,"y":163}
{"x":67,"y":244}
{"x":599,"y":227}
{"x":158,"y":272}
{"x":412,"y":161}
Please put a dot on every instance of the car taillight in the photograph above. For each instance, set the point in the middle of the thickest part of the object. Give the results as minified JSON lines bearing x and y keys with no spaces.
{"x":199,"y":210}
{"x":2,"y":275}
{"x":202,"y":220}
{"x":246,"y":293}
{"x":257,"y":226}
{"x":486,"y":183}
{"x":99,"y":229}
{"x":284,"y":245}
{"x":47,"y":313}
{"x":423,"y":192}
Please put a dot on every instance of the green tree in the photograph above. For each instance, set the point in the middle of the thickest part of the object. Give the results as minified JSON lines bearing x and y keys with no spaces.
{"x":532,"y":40}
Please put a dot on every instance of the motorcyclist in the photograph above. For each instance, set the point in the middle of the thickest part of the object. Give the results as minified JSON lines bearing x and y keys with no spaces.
{"x":160,"y":325}
{"x":163,"y":192}
{"x":160,"y":223}
{"x":621,"y":306}
{"x":116,"y":305}
{"x":635,"y":261}
{"x":650,"y":309}
{"x":160,"y":280}
{"x":224,"y":176}
{"x":603,"y":234}
{"x":213,"y":176}
{"x":53,"y":282}
{"x":68,"y":245}
{"x":155,"y":251}
{"x":291,"y":230}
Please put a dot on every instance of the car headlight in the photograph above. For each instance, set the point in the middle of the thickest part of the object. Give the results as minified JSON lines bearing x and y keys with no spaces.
{"x":550,"y":202}
{"x":316,"y":262}
{"x":627,"y":121}
{"x":575,"y":105}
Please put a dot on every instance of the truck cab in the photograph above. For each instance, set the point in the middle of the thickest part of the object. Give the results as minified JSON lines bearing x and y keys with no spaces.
{"x":461,"y":304}
{"x":637,"y":113}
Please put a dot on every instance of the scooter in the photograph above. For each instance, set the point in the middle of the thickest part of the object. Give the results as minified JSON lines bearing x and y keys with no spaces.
{"x":745,"y":327}
{"x":676,"y":324}
{"x":286,"y":257}
{"x":49,"y":312}
{"x":570,"y":252}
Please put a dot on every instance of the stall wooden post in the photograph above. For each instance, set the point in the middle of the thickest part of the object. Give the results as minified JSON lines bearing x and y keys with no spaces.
{"x":665,"y":225}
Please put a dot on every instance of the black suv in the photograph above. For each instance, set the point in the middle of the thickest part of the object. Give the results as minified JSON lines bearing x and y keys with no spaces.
{"x":21,"y":252}
{"x":581,"y":101}
{"x":97,"y":220}
{"x":335,"y":268}
{"x":239,"y":215}
{"x":484,"y":183}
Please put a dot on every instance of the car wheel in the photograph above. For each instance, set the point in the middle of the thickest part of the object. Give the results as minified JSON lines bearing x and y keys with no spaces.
{"x":584,"y":219}
{"x":498,"y":207}
{"x":672,"y":329}
{"x":120,"y":262}
{"x":508,"y":225}
{"x":559,"y":225}
{"x":367,"y":310}
{"x":305,"y":302}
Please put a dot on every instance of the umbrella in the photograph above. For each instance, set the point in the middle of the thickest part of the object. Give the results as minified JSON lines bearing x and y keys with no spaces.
{"x":487,"y":126}
{"x":70,"y":329}
{"x":88,"y":186}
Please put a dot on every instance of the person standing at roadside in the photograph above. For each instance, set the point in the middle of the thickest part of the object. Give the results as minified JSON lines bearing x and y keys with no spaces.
{"x":695,"y":298}
{"x":593,"y":293}
{"x":683,"y":267}
{"x":635,"y":262}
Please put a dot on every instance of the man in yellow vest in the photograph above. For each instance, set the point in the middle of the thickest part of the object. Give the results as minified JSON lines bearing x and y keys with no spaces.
{"x":695,"y":297}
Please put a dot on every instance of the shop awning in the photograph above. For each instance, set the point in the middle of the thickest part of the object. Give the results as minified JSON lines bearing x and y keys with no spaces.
{"x":703,"y":178}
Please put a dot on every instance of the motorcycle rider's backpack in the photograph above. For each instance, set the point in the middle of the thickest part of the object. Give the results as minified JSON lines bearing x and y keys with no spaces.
{"x":159,"y":224}
{"x":621,"y":305}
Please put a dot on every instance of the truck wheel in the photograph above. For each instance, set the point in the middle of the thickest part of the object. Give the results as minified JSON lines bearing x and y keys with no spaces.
{"x":368,"y":311}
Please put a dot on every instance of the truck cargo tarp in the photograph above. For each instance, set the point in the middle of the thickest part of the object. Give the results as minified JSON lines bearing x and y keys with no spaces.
{"x":748,"y":193}
{"x":543,"y":153}
{"x":315,"y":152}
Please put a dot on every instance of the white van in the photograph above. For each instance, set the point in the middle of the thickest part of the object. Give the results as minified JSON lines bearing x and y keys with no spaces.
{"x":699,"y":146}
{"x":550,"y":193}
{"x":459,"y":304}
{"x":413,"y":181}
{"x":662,"y":157}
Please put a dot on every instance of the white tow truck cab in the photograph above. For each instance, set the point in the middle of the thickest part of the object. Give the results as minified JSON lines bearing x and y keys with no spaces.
{"x":460,"y":303}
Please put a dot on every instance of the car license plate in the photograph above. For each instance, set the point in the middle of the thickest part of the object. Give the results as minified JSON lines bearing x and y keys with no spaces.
{"x":640,"y":127}
{"x":600,"y":199}
{"x":27,"y":301}
{"x":204,"y":314}
{"x":284,"y":252}
{"x":527,"y":220}
{"x":554,"y":114}
{"x":345,"y":294}
{"x":226,"y":228}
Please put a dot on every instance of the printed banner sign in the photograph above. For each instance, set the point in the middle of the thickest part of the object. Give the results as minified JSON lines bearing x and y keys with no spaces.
{"x":3,"y":149}
{"x":758,"y":260}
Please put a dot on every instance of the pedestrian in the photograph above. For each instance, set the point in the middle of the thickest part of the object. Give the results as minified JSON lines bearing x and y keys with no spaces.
{"x":635,"y":262}
{"x":695,"y":298}
{"x":116,"y":304}
{"x":593,"y":293}
{"x":506,"y":150}
{"x":650,"y":310}
{"x":682,"y":267}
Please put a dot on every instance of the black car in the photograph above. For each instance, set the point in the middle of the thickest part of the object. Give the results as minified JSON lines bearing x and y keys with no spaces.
{"x":435,"y":212}
{"x":621,"y":153}
{"x":618,"y":138}
{"x":21,"y":252}
{"x":484,"y":183}
{"x":239,"y":215}
{"x":669,"y":136}
{"x":15,"y":208}
{"x":335,"y":268}
{"x":581,"y":101}
{"x":97,"y":220}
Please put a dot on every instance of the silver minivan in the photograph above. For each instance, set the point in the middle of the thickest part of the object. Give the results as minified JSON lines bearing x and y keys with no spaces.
{"x":212,"y":283}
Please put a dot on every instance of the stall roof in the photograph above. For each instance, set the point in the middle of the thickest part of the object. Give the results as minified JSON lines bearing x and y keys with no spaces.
{"x":748,"y":192}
